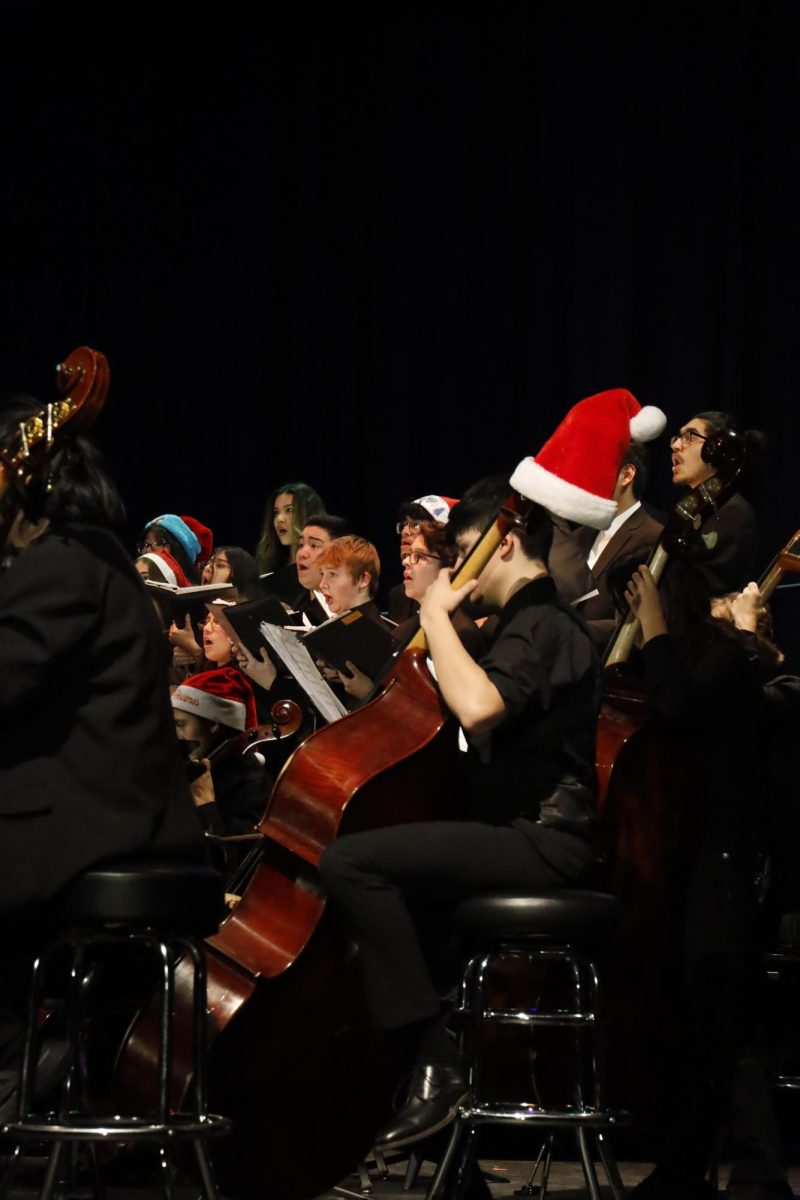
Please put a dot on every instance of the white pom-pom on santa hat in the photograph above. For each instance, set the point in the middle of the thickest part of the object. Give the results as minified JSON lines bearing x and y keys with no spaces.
{"x":575,"y":472}
{"x":649,"y":423}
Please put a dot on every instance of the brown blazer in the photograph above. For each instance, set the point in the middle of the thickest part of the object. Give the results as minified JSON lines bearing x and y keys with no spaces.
{"x":637,"y":535}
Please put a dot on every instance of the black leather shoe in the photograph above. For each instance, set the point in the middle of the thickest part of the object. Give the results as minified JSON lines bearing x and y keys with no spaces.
{"x":434,"y":1095}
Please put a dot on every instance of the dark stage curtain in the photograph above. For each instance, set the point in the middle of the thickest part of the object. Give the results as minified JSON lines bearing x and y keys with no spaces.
{"x":382,"y":248}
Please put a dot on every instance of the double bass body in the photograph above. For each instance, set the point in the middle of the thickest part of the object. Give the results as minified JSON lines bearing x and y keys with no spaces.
{"x":292,"y":1058}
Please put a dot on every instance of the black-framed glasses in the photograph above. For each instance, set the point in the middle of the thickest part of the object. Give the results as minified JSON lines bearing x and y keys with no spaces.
{"x":415,"y":556}
{"x":685,"y":437}
{"x":411,"y":526}
{"x":156,"y":544}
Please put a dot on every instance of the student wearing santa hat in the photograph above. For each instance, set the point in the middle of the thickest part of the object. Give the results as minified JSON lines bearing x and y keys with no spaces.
{"x":412,"y":514}
{"x":528,"y":713}
{"x":210,"y":708}
{"x":186,"y":539}
{"x":431,"y":549}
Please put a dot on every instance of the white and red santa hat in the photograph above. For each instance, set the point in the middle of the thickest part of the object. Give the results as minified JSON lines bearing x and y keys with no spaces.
{"x":223,"y":695}
{"x":575,"y":472}
{"x":168,"y":567}
{"x":438,"y":506}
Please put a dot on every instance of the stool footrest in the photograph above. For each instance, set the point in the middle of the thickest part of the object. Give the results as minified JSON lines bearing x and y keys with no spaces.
{"x":114,"y":1128}
{"x":510,"y":1016}
{"x":521,"y":1114}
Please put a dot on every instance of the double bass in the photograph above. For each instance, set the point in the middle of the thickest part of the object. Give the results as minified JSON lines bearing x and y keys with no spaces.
{"x":641,"y":802}
{"x":292,"y":1059}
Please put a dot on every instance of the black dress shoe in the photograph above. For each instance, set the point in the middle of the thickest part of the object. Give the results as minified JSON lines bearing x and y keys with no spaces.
{"x":434,"y":1095}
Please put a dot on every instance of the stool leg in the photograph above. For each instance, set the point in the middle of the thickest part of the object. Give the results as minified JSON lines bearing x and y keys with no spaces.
{"x":589,"y":1173}
{"x":464,"y":1165}
{"x":545,"y":1149}
{"x":204,"y":1167}
{"x":27,"y":1075}
{"x":165,"y":1031}
{"x":76,"y":1006}
{"x":455,"y":1145}
{"x":610,"y":1167}
{"x":548,"y":1161}
{"x":452,"y":1174}
{"x":11,"y":1170}
{"x":199,"y":997}
{"x":165,"y":1171}
{"x":415,"y":1161}
{"x":53,"y":1170}
{"x":98,"y":1178}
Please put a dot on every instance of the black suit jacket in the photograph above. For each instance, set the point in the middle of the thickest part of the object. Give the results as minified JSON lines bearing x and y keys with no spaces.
{"x":727,"y":551}
{"x":89,"y":763}
{"x":637,"y":535}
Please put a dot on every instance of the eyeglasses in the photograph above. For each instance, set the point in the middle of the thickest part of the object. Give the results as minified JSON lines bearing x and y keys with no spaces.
{"x":415,"y":556}
{"x":685,"y":438}
{"x":411,"y":526}
{"x":156,"y":544}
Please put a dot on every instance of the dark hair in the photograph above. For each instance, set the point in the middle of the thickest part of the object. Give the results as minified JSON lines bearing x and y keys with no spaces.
{"x":269,"y":551}
{"x":244,"y":571}
{"x":335,"y":526}
{"x":754,"y":440}
{"x":152,"y":569}
{"x":636,"y":456}
{"x":437,"y":541}
{"x":410,"y":509}
{"x":480,"y":505}
{"x":70,"y":486}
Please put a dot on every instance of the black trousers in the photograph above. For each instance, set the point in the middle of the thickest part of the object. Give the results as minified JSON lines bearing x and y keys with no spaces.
{"x":395,"y":886}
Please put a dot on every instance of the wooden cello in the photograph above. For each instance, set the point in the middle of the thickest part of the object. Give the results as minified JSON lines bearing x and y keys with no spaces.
{"x":292,"y":1061}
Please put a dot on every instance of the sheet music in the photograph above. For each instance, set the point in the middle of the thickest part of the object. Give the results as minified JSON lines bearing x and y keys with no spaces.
{"x":301,"y":666}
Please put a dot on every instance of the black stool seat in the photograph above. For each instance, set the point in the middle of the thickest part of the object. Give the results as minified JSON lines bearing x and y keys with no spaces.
{"x":557,"y":913}
{"x":185,"y":896}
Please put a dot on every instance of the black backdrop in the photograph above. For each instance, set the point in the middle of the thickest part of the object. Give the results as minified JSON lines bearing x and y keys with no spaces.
{"x":382,"y":248}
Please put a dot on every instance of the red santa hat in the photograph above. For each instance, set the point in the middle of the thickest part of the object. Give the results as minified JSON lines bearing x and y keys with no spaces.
{"x":438,"y":506}
{"x":575,"y":472}
{"x":223,"y":695}
{"x":168,"y":566}
{"x":204,"y":536}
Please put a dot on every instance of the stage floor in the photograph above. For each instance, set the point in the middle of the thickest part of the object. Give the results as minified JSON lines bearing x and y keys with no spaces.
{"x":505,"y":1178}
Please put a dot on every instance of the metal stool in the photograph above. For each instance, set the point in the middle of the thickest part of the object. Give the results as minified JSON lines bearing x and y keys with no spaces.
{"x":540,"y":929}
{"x":161,"y":907}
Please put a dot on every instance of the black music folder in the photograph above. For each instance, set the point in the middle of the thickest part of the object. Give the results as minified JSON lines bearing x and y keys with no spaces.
{"x":355,"y":637}
{"x":245,"y":621}
{"x":192,"y":600}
